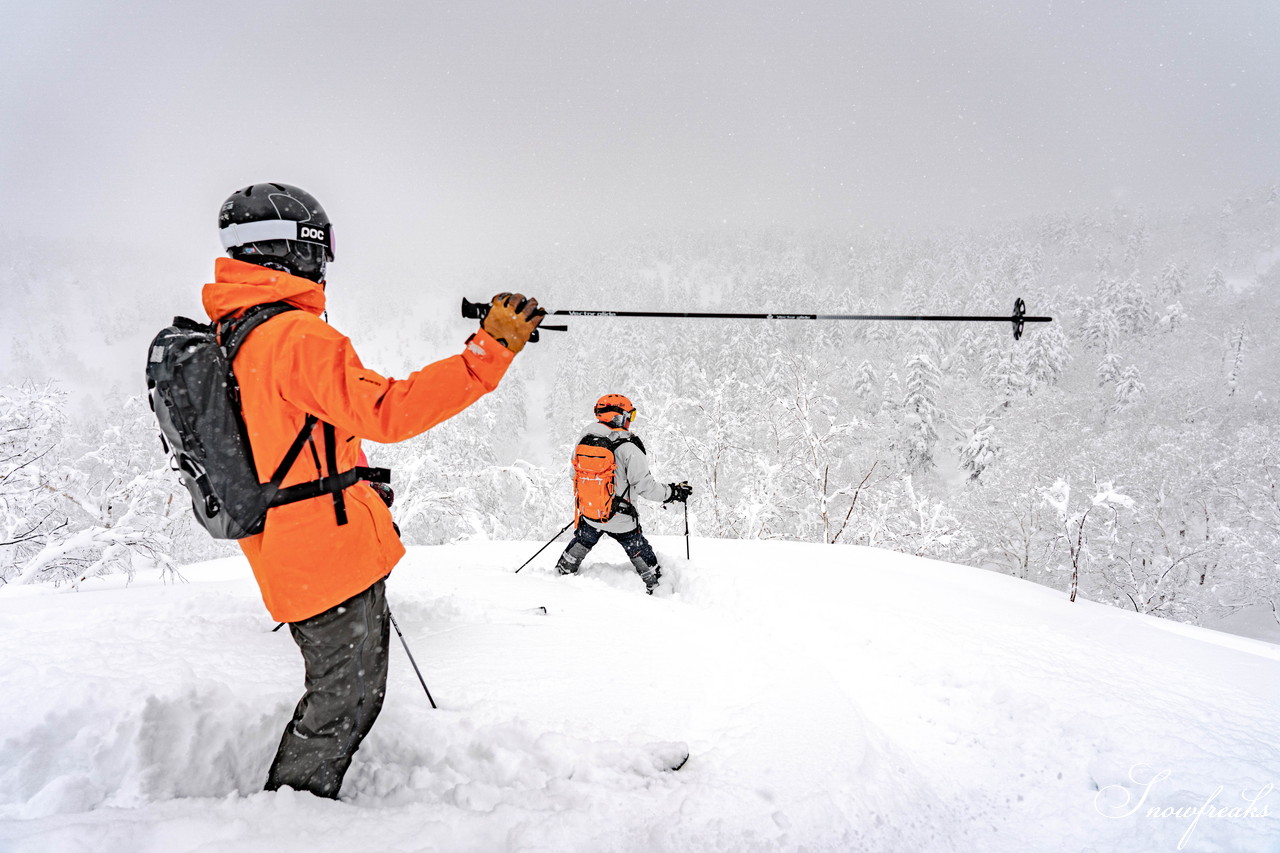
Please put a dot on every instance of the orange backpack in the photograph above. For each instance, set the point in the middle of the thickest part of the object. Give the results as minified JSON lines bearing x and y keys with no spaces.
{"x":595,"y":478}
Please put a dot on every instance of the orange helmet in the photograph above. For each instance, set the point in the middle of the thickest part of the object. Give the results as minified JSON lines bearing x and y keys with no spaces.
{"x":615,"y":411}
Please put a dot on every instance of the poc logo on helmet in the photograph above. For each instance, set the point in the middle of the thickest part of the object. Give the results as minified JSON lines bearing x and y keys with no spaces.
{"x":307,"y":232}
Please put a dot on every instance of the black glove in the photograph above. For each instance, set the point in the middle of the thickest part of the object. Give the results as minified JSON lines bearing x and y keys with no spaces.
{"x":679,"y":492}
{"x":385,"y":492}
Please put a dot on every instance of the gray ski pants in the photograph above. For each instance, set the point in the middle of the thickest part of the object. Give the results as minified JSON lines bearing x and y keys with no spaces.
{"x":345,"y":653}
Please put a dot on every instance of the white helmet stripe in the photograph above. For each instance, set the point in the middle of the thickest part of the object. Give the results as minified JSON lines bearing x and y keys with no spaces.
{"x":277,"y":229}
{"x":263,"y":229}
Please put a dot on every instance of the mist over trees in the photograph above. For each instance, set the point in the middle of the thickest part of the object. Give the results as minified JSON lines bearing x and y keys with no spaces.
{"x":1124,"y":453}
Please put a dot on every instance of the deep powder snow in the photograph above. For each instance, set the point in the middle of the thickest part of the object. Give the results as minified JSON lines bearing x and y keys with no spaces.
{"x":833,"y":698}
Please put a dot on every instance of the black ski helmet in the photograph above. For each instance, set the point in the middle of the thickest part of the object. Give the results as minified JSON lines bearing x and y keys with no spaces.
{"x":278,"y":226}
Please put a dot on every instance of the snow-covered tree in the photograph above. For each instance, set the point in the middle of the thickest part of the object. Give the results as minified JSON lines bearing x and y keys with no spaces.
{"x":1215,"y":283}
{"x":1048,"y":354}
{"x":1099,"y":326}
{"x":891,"y":392}
{"x":866,"y":384}
{"x":1129,"y":389}
{"x":920,"y":413}
{"x":930,"y":529}
{"x":1130,"y":305}
{"x":979,"y":448}
{"x":1135,"y":245}
{"x":1235,"y":359}
{"x":114,"y":505}
{"x":1004,"y":370}
{"x":1080,"y":539}
{"x":1174,"y":318}
{"x":1170,"y":283}
{"x":1109,"y":369}
{"x":31,"y":430}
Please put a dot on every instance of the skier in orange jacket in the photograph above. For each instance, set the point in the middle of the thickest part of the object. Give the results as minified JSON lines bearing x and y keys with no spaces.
{"x":321,"y":563}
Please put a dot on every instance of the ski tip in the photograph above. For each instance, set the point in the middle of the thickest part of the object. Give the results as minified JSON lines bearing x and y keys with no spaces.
{"x":669,"y":756}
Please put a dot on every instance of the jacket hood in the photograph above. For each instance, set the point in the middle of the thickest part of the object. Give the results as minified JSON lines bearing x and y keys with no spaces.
{"x":238,"y":285}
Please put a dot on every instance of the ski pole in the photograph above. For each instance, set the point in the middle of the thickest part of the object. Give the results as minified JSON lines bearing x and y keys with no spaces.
{"x":477,"y":311}
{"x":544,"y":547}
{"x":411,"y":660}
{"x":686,"y":529}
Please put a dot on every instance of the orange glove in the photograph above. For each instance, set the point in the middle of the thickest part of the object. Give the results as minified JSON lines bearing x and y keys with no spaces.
{"x":512,"y":319}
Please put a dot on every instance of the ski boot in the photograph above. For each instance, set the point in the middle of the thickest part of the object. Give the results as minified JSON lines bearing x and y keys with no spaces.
{"x":572,"y":558}
{"x":650,"y":575}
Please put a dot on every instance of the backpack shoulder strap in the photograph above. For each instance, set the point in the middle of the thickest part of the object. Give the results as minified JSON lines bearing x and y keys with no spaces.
{"x":271,"y":489}
{"x":233,"y":331}
{"x":596,"y":441}
{"x":612,"y":442}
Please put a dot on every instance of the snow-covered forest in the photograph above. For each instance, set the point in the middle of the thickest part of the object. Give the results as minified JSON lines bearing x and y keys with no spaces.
{"x":1123,"y":454}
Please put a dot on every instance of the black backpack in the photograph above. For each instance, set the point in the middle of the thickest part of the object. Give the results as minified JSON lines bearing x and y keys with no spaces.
{"x":196,"y":399}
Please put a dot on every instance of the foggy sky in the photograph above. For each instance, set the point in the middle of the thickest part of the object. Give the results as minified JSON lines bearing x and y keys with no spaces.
{"x":442,"y":133}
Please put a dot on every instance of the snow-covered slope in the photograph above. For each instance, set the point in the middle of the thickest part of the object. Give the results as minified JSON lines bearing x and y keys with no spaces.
{"x":833,"y":698}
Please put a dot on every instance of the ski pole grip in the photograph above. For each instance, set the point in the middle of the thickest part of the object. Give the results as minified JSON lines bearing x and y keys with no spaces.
{"x":474,"y":310}
{"x":480,"y":310}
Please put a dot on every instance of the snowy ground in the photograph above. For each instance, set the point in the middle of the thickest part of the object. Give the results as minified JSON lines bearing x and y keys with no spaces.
{"x":833,"y":698}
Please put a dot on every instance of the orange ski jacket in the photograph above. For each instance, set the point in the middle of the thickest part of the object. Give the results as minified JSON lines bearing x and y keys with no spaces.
{"x":297,"y":364}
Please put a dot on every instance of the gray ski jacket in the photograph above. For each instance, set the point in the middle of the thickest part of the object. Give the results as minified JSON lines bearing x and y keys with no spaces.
{"x":633,"y":479}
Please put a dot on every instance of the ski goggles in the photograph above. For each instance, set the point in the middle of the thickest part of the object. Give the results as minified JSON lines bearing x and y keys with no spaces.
{"x":629,"y":414}
{"x":278,"y":229}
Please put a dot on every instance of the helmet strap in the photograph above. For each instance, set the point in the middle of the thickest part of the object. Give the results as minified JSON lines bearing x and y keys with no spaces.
{"x":274,"y":265}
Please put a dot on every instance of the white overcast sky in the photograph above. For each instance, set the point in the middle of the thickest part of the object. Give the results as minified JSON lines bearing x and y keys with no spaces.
{"x":450,"y":131}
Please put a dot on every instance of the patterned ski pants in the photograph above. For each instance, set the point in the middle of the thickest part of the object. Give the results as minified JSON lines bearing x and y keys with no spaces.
{"x":633,"y":542}
{"x":344,"y":650}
